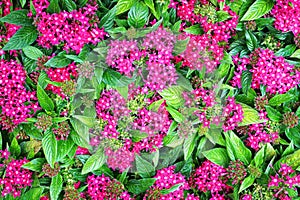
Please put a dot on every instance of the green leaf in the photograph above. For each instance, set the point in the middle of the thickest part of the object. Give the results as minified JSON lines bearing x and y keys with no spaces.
{"x":68,"y":5}
{"x":175,"y":114}
{"x":144,"y":168}
{"x":32,"y":52}
{"x":222,"y":15}
{"x":22,"y":2}
{"x":138,"y":15}
{"x":94,"y":162}
{"x":49,"y":144}
{"x":17,"y":17}
{"x":250,"y":116}
{"x":42,"y":80}
{"x":32,"y":194}
{"x":171,"y":189}
{"x":123,"y":6}
{"x":189,"y":146}
{"x":218,"y":156}
{"x":251,"y":40}
{"x":150,"y":4}
{"x":64,"y":148}
{"x":195,"y":30}
{"x":273,"y":114}
{"x":246,"y":81}
{"x":140,"y":186}
{"x":115,"y":79}
{"x":296,"y":54}
{"x":56,"y":186}
{"x":24,"y":37}
{"x":58,"y":61}
{"x":14,"y":148}
{"x":44,"y":100}
{"x":88,"y":121}
{"x":35,"y":164}
{"x":258,"y":9}
{"x":183,"y":82}
{"x":53,"y":7}
{"x":180,"y":46}
{"x":75,"y":58}
{"x":281,"y":98}
{"x":155,"y":105}
{"x":247,"y":182}
{"x":259,"y":157}
{"x":235,"y":147}
{"x":107,"y":21}
{"x":286,"y":51}
{"x":173,"y":96}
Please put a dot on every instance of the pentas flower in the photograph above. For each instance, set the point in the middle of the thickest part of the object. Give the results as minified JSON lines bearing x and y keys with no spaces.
{"x":4,"y":154}
{"x":72,"y":29}
{"x":15,"y":179}
{"x":62,"y":131}
{"x":236,"y":171}
{"x":269,"y":70}
{"x":258,"y":134}
{"x":284,"y":179}
{"x":233,"y":114}
{"x":61,"y":75}
{"x":122,"y":54}
{"x":287,"y":16}
{"x":290,"y":119}
{"x":16,"y":102}
{"x":103,"y":188}
{"x":165,"y":179}
{"x":210,"y":177}
{"x":192,"y":197}
{"x":82,"y":151}
{"x":120,"y":159}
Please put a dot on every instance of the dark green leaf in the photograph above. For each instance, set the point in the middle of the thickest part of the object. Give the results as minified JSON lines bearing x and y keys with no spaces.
{"x":115,"y":79}
{"x":32,"y":194}
{"x":56,"y":186}
{"x":58,"y":61}
{"x":246,"y":81}
{"x":189,"y":146}
{"x":251,"y":40}
{"x":273,"y":114}
{"x":24,"y":37}
{"x":44,"y":100}
{"x":195,"y":30}
{"x":94,"y":162}
{"x":140,"y":186}
{"x":53,"y":7}
{"x":17,"y":17}
{"x":258,"y":9}
{"x":107,"y":21}
{"x":138,"y":15}
{"x":32,"y":52}
{"x":175,"y":114}
{"x":68,"y":5}
{"x":218,"y":156}
{"x":14,"y":148}
{"x":49,"y":145}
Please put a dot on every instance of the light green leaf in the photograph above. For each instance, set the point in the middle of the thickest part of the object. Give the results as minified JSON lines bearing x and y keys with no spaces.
{"x":175,"y":114}
{"x":150,"y":4}
{"x":94,"y":162}
{"x":180,"y":46}
{"x":32,"y":52}
{"x":49,"y":144}
{"x":250,"y":116}
{"x":281,"y":98}
{"x":44,"y":100}
{"x":32,"y":194}
{"x":218,"y":156}
{"x":258,"y":9}
{"x":247,"y":182}
{"x":35,"y":164}
{"x":195,"y":30}
{"x":88,"y":121}
{"x":123,"y":6}
{"x":296,"y":54}
{"x":173,"y":96}
{"x":24,"y":37}
{"x":144,"y":168}
{"x":58,"y":61}
{"x":189,"y":146}
{"x":56,"y":186}
{"x":273,"y":114}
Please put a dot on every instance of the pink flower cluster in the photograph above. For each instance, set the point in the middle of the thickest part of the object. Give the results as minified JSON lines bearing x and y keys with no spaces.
{"x":165,"y":179}
{"x":10,"y":29}
{"x":285,"y":178}
{"x":122,"y":54}
{"x":157,"y":47}
{"x":60,"y":75}
{"x":16,"y":102}
{"x":16,"y":178}
{"x":120,"y":159}
{"x":206,"y":50}
{"x":210,"y":177}
{"x":287,"y":16}
{"x":103,"y":188}
{"x":72,"y":29}
{"x":269,"y":70}
{"x":233,"y":114}
{"x":259,"y":134}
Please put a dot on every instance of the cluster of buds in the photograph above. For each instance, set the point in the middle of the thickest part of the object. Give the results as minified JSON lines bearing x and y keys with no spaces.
{"x":44,"y":122}
{"x":236,"y":171}
{"x":62,"y":131}
{"x":49,"y":171}
{"x":250,"y":25}
{"x":86,"y":70}
{"x":272,"y":43}
{"x":290,"y":119}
